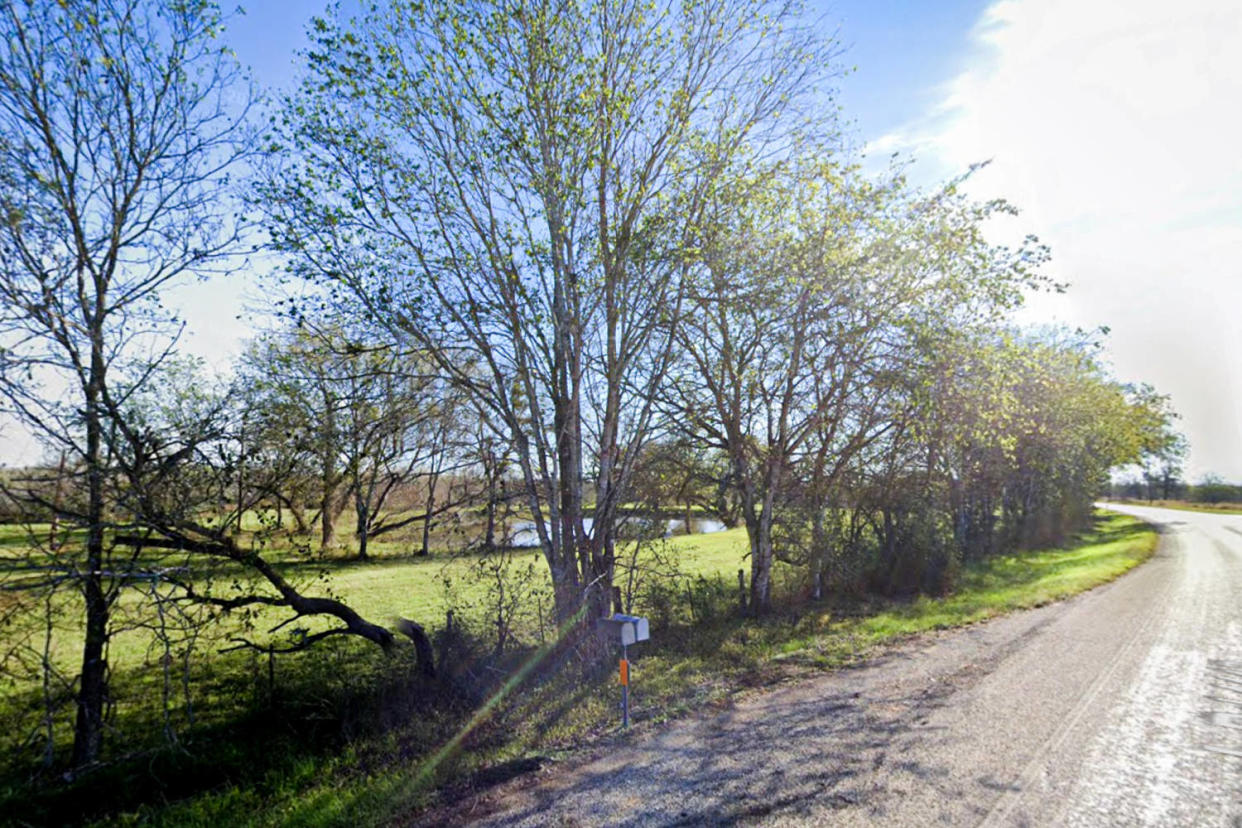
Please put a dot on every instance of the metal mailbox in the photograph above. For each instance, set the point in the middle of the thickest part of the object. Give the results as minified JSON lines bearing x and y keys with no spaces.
{"x":627,"y":629}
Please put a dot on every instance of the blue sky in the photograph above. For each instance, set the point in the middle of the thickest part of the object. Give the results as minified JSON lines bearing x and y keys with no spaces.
{"x":896,"y":58}
{"x":899,"y":51}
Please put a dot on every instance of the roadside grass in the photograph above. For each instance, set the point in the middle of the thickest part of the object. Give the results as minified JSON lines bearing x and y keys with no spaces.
{"x":302,"y":762}
{"x":1185,"y":505}
{"x":392,"y":583}
{"x":684,"y":669}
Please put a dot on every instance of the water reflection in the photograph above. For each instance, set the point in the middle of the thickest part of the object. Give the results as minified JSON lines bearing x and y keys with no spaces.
{"x":524,"y":534}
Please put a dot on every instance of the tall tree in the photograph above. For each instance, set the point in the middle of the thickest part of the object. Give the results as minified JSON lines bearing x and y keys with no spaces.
{"x":120,"y":122}
{"x":302,"y":395}
{"x":514,"y":186}
{"x":357,"y":418}
{"x":1164,"y":454}
{"x":802,"y":321}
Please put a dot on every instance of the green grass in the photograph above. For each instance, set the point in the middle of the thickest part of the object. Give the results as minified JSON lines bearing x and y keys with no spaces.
{"x":414,"y":586}
{"x":692,"y":662}
{"x":686,"y":669}
{"x":1011,"y":582}
{"x":391,"y":583}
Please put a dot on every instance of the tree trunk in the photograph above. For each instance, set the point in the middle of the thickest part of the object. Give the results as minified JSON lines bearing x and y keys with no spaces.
{"x":761,"y":565}
{"x":566,"y":596}
{"x":425,"y":661}
{"x":327,"y":521}
{"x":241,"y":476}
{"x":890,"y":549}
{"x":425,"y":549}
{"x":819,"y":553}
{"x":299,"y":515}
{"x":757,"y":519}
{"x":88,"y":729}
{"x":489,"y":534}
{"x":490,"y":470}
{"x":328,"y":477}
{"x":363,"y":524}
{"x":92,"y":692}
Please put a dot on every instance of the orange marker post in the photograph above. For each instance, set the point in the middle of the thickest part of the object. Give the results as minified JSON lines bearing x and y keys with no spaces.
{"x":625,"y":688}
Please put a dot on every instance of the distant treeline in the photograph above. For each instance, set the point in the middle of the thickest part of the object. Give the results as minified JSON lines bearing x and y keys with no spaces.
{"x":1208,"y":490}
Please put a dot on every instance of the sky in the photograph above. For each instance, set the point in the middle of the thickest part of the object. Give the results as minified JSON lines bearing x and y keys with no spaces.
{"x":1114,"y":125}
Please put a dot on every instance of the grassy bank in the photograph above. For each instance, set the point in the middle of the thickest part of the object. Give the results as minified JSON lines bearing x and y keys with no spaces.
{"x":683,"y":671}
{"x":416,"y":751}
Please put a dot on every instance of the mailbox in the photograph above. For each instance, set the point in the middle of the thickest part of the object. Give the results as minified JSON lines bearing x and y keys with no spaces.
{"x":641,"y":627}
{"x":626,"y":629}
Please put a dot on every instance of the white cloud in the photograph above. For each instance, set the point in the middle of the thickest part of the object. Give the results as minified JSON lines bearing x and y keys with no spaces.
{"x":1116,"y":125}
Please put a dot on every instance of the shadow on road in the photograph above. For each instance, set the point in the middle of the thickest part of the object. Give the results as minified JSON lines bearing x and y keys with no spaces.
{"x":793,"y":756}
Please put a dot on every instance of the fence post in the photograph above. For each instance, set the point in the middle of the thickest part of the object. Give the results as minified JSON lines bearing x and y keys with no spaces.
{"x":446,"y":641}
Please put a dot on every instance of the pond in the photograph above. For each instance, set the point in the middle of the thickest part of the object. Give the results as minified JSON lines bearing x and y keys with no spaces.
{"x":524,"y":534}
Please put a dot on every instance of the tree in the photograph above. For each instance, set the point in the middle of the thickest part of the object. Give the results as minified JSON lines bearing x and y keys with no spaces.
{"x":360,"y":417}
{"x":304,"y":393}
{"x":679,"y":473}
{"x":1021,"y":431}
{"x":513,"y":188}
{"x":803,"y":319}
{"x":120,"y":122}
{"x":1213,"y":489}
{"x":1164,"y":454}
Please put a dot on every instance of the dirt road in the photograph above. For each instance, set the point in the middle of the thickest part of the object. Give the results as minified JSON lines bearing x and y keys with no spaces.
{"x":1122,"y":706}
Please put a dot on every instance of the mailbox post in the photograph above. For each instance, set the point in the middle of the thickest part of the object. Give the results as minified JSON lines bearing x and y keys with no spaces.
{"x":627,"y":630}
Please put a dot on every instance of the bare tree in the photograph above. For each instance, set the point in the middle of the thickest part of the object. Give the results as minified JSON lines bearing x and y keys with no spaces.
{"x":120,"y":123}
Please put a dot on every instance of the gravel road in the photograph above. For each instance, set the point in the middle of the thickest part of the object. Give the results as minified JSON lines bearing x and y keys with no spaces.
{"x":1122,"y":706}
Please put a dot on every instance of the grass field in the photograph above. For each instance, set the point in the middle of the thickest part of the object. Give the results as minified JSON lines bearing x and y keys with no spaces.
{"x":695,"y":659}
{"x":391,"y":583}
